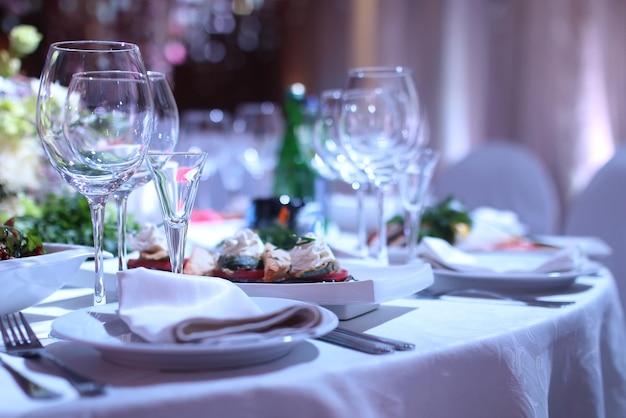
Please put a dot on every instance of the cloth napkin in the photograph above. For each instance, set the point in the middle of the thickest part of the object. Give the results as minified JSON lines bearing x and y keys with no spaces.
{"x":440,"y":253}
{"x":160,"y":306}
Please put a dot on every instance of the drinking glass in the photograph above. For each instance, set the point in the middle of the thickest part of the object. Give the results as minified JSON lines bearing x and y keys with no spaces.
{"x":335,"y":164}
{"x":378,"y":127}
{"x":95,"y":124}
{"x":211,"y":131}
{"x":413,"y":185}
{"x":176,"y":177}
{"x":164,"y":138}
{"x":259,"y":131}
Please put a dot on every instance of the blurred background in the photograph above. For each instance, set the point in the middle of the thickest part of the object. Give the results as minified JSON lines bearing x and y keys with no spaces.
{"x":550,"y":75}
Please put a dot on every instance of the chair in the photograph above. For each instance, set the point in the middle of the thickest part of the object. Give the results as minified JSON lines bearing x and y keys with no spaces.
{"x":600,"y":211}
{"x":504,"y":176}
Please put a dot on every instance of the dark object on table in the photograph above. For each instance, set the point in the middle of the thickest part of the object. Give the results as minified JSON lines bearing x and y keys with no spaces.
{"x":273,"y":210}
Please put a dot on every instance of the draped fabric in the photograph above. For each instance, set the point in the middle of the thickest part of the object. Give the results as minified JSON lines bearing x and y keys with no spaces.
{"x":550,"y":75}
{"x":547,"y":74}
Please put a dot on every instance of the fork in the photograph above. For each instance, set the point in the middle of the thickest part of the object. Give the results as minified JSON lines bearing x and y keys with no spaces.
{"x":20,"y":340}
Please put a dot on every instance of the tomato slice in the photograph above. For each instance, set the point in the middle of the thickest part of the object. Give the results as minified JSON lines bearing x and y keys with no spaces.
{"x":246,"y":275}
{"x":243,"y":275}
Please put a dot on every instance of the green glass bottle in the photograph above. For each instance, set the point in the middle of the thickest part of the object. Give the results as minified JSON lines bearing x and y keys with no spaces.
{"x":293,"y":176}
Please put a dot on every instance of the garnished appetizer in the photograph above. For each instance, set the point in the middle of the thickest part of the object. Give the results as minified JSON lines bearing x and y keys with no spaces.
{"x":271,"y":255}
{"x":15,"y":244}
{"x":244,"y":257}
{"x":151,"y":244}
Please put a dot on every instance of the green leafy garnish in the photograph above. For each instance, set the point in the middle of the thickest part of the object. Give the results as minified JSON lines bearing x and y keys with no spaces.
{"x":282,"y":237}
{"x":66,"y":219}
{"x":445,"y":219}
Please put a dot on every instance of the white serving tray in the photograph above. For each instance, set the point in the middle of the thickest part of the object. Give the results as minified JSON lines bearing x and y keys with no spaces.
{"x":373,"y":285}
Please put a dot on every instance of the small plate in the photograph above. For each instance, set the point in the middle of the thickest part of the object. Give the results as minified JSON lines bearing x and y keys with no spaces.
{"x":373,"y":285}
{"x":520,"y":282}
{"x":101,"y":328}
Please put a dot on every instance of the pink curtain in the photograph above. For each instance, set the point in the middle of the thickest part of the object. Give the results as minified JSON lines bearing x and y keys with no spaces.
{"x":546,"y":74}
{"x":550,"y":75}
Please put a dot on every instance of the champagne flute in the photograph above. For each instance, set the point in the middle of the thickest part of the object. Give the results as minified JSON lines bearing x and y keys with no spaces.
{"x":327,"y":146}
{"x":68,"y":155}
{"x":176,"y":177}
{"x":164,"y":138}
{"x":378,"y":126}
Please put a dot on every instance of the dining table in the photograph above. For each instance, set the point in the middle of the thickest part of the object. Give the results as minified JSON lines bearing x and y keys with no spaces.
{"x":473,"y":357}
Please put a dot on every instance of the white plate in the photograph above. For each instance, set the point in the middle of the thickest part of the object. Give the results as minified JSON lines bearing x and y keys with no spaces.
{"x":373,"y":285}
{"x":101,"y":328}
{"x":521,"y":282}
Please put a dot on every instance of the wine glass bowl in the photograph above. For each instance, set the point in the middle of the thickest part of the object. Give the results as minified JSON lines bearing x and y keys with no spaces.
{"x":259,"y":129}
{"x":106,"y":115}
{"x":211,"y":130}
{"x":93,"y":159}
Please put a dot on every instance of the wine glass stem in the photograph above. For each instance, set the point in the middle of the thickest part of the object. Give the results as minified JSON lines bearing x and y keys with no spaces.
{"x":97,"y":205}
{"x":413,"y":226}
{"x":176,"y":237}
{"x":383,"y":255}
{"x":361,"y":226}
{"x":121,"y":203}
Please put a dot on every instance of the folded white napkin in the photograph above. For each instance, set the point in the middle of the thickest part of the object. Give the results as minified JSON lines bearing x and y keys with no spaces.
{"x":443,"y":255}
{"x":160,"y":306}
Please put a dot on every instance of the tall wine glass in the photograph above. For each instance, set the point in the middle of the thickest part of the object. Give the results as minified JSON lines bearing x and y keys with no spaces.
{"x":164,"y":138}
{"x":69,"y":139}
{"x":378,"y":126}
{"x":327,"y":146}
{"x":258,"y":129}
{"x":210,"y":130}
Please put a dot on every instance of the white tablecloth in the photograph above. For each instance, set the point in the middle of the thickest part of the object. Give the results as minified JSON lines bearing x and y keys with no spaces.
{"x":473,"y":359}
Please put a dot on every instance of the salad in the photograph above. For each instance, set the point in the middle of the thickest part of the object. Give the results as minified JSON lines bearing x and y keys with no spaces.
{"x":15,"y":244}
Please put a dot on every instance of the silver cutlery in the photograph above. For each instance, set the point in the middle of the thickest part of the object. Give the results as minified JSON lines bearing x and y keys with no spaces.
{"x":366,"y":343}
{"x":489,"y":294}
{"x":20,"y":340}
{"x":31,"y":388}
{"x":396,"y":344}
{"x":357,"y":343}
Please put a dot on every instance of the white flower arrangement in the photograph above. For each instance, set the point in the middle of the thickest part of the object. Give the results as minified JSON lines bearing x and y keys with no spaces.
{"x":23,"y":170}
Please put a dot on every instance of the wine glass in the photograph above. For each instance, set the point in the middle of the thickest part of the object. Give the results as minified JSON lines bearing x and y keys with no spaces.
{"x":334,"y":163}
{"x":259,"y":130}
{"x":176,"y":177}
{"x":164,"y":138}
{"x":68,"y":146}
{"x":413,"y":186}
{"x":378,"y":127}
{"x":208,"y":130}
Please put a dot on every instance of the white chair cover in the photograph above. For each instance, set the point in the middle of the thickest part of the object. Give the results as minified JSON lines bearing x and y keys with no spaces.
{"x":504,"y":176}
{"x":600,"y":210}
